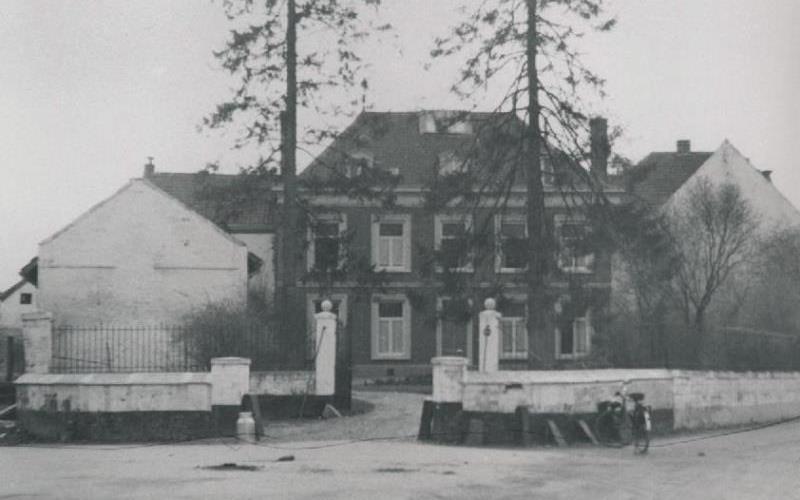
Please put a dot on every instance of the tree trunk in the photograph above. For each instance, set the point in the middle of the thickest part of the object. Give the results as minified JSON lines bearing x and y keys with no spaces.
{"x":290,"y":243}
{"x":537,"y":233}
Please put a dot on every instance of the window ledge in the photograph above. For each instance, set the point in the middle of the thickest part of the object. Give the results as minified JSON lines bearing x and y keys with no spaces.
{"x":511,"y":270}
{"x":577,"y":270}
{"x":572,"y":356}
{"x":390,"y":357}
{"x":514,"y":357}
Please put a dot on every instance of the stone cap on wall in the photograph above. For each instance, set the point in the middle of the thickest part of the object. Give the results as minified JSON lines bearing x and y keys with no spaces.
{"x":230,"y":360}
{"x":161,"y":378}
{"x":567,"y":376}
{"x":449,"y":360}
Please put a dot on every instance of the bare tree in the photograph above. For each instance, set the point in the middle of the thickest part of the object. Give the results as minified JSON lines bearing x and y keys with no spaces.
{"x":714,"y":234}
{"x":528,"y":46}
{"x":275,"y":78}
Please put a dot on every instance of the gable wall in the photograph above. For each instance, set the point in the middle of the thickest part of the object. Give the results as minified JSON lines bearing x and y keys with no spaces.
{"x":138,"y":258}
{"x":728,"y":165}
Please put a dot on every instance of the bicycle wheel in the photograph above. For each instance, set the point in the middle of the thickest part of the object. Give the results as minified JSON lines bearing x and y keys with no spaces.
{"x":641,"y":440}
{"x":625,"y":430}
{"x":605,"y":429}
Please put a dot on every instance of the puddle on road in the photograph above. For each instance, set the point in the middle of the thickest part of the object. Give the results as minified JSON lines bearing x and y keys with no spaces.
{"x":395,"y":470}
{"x":232,"y":466}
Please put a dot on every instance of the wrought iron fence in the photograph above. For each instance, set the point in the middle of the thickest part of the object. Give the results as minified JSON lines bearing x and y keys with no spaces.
{"x":167,"y":348}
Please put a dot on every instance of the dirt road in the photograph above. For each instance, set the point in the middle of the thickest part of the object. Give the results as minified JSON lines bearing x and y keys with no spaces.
{"x":761,"y":464}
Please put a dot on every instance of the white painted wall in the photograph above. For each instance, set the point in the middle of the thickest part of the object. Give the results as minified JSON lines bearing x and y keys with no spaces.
{"x":139,"y":257}
{"x":115,"y":392}
{"x":698,"y":399}
{"x":283,"y":383}
{"x":728,"y":165}
{"x":11,"y":310}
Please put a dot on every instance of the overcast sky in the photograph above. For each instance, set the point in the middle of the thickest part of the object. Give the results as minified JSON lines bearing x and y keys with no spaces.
{"x":89,"y":89}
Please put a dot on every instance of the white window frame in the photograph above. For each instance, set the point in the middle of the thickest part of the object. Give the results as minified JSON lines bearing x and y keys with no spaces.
{"x":405,"y":220}
{"x":440,"y":328}
{"x":439,"y":221}
{"x":574,"y":266}
{"x":519,"y":325}
{"x":498,"y":241}
{"x":589,"y":332}
{"x":326,"y":218}
{"x":375,"y":327}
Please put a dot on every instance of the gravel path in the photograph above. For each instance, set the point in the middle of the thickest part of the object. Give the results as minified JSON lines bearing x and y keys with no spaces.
{"x":395,"y":415}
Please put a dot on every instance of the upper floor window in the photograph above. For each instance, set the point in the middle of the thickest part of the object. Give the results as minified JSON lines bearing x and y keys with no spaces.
{"x":326,"y":251}
{"x":26,"y":298}
{"x":391,"y":327}
{"x":574,"y":254}
{"x":452,"y":242}
{"x":573,"y":338}
{"x":391,"y":242}
{"x":511,"y":243}
{"x":513,"y":330}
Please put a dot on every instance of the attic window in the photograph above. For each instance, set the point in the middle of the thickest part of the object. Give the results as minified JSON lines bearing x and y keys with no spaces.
{"x":444,"y":122}
{"x":451,"y":163}
{"x":26,"y":298}
{"x":357,"y":162}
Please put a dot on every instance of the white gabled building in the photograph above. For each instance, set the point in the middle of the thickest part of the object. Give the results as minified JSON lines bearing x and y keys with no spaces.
{"x":139,"y":257}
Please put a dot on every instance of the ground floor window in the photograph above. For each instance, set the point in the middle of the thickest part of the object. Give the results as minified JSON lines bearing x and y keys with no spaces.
{"x":454,"y":327}
{"x":513,"y":330}
{"x":391,"y":327}
{"x":573,"y":337}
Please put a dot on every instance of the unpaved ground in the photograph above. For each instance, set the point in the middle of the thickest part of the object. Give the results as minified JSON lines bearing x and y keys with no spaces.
{"x":394,"y":415}
{"x":762,"y":464}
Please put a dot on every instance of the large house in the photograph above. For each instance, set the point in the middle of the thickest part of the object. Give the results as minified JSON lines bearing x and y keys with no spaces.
{"x":407,"y":312}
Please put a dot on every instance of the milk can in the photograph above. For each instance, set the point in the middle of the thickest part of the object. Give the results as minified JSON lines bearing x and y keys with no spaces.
{"x":246,"y":427}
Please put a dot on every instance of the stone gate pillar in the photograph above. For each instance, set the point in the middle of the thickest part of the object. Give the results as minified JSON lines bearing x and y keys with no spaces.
{"x":37,"y":338}
{"x":325,"y":350}
{"x":489,"y":341}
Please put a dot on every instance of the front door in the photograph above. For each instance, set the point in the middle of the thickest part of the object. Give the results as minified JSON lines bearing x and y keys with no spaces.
{"x":454,"y":328}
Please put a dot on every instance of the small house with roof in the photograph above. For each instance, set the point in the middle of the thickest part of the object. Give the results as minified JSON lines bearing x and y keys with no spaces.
{"x":140,"y":257}
{"x":17,"y":300}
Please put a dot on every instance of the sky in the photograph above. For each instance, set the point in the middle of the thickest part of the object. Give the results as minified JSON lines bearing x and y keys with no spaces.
{"x":90,"y":89}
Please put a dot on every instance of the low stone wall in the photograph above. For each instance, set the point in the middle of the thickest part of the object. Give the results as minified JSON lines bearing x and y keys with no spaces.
{"x":114,"y":392}
{"x":282,"y":383}
{"x":713,"y":399}
{"x":568,"y":391}
{"x":679,"y":399}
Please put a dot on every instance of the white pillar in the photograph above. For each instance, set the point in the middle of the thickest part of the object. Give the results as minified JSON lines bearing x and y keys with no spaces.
{"x":448,"y":379}
{"x":37,"y":338}
{"x":230,"y":380}
{"x":325,"y":349}
{"x":489,"y":343}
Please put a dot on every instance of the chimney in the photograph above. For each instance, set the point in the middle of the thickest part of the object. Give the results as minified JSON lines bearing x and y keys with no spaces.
{"x":149,"y":168}
{"x":684,"y":146}
{"x":767,"y":175}
{"x":598,"y":129}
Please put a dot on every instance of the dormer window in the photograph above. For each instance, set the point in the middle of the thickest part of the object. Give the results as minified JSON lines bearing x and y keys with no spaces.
{"x":444,"y":122}
{"x":357,"y":162}
{"x":451,"y":163}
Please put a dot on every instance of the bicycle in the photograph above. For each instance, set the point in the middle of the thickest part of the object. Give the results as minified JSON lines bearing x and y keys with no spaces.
{"x":615,"y":426}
